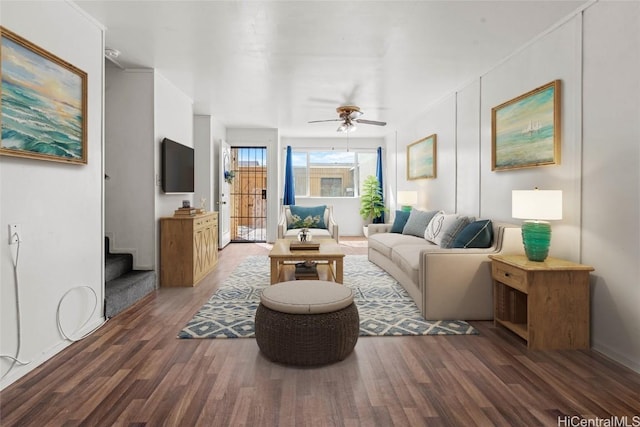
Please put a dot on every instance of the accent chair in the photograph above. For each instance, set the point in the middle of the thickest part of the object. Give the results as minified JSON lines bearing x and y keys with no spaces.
{"x":318,"y":219}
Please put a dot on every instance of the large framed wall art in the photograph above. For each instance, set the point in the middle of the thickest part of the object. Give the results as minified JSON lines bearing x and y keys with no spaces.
{"x":525,"y":131}
{"x":421,"y":158}
{"x":43,"y":103}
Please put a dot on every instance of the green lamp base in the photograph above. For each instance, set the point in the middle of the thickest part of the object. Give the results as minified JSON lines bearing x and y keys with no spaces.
{"x":406,"y":208}
{"x":536,"y":236}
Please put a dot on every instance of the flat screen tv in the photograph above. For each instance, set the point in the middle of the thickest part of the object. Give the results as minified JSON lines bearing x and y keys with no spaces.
{"x":177,"y":167}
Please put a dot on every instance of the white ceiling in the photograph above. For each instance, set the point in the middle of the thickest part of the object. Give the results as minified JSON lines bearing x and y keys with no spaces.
{"x":279,"y":64}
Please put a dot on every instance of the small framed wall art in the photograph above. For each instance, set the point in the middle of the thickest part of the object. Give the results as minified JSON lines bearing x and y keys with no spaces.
{"x":43,"y":104}
{"x":421,"y":158}
{"x":525,"y":131}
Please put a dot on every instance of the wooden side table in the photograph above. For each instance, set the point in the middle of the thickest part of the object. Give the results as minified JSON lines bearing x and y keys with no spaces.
{"x":546,"y":303}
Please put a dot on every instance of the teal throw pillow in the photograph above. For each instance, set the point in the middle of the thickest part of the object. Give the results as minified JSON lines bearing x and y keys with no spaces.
{"x":454,"y":230}
{"x":307,"y":217}
{"x":478,"y":234}
{"x":400,"y":221}
{"x":417,"y":222}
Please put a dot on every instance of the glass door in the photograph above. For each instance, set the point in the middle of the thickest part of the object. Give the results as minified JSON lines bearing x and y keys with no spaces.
{"x":249,"y":194}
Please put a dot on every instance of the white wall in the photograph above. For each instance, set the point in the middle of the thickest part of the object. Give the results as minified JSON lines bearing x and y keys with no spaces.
{"x":611,"y":177}
{"x":597,"y":58}
{"x":346,"y":210}
{"x":141,"y":108}
{"x":129,"y":148}
{"x":438,"y":193}
{"x":207,"y":134}
{"x":468,"y":150}
{"x":59,"y":206}
{"x":173,"y":119}
{"x":554,"y":56}
{"x":462,"y":122}
{"x":258,"y":137}
{"x":205,"y":167}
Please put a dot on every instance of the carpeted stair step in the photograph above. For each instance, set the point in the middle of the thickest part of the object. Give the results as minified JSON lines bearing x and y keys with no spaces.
{"x":116,"y":265}
{"x":126,"y":290}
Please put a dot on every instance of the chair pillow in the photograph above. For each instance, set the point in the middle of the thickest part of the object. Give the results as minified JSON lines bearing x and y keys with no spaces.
{"x":400,"y":221}
{"x":454,"y":229}
{"x":417,"y":222}
{"x":478,"y":234}
{"x":306,"y":217}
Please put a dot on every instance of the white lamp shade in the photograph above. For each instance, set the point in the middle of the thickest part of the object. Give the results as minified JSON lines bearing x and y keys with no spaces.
{"x":407,"y":198}
{"x":536,"y":204}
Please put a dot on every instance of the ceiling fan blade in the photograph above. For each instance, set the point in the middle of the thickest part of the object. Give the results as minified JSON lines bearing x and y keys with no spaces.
{"x":370,"y":122}
{"x":330,"y":120}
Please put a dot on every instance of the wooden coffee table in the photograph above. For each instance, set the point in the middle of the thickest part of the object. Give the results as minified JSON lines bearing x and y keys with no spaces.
{"x":282,"y":257}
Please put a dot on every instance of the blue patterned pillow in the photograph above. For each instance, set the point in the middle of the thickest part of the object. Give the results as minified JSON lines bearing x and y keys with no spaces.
{"x":417,"y":222}
{"x":400,"y":221}
{"x":478,"y":234}
{"x":306,"y":217}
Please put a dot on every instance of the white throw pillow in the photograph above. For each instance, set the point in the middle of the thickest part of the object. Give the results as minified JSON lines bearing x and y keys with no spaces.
{"x":438,"y":225}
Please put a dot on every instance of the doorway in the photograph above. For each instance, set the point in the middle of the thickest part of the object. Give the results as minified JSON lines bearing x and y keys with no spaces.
{"x":249,"y":194}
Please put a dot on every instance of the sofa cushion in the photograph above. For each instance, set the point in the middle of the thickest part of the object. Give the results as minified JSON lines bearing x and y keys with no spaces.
{"x":385,"y":242}
{"x":306,"y":297}
{"x":316,"y":233}
{"x":478,"y":234}
{"x":306,"y":217}
{"x":407,"y":257}
{"x":417,"y":222}
{"x":400,"y":221}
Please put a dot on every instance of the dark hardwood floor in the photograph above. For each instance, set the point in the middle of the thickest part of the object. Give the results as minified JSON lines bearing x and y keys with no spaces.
{"x":135,"y":372}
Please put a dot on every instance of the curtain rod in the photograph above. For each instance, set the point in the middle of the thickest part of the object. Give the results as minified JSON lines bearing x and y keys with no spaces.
{"x":331,"y":148}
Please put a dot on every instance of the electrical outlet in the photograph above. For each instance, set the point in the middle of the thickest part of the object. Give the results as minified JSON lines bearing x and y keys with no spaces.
{"x":14,"y":234}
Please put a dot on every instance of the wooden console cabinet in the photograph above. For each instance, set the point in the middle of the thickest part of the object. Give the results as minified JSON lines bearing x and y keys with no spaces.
{"x":188,"y":248}
{"x":546,"y":303}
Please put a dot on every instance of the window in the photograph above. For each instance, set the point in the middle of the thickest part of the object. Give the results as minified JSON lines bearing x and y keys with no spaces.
{"x":331,"y":187}
{"x":299,"y":163}
{"x":331,"y":173}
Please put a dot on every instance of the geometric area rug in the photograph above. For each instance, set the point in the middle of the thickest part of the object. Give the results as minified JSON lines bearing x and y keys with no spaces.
{"x":384,"y":307}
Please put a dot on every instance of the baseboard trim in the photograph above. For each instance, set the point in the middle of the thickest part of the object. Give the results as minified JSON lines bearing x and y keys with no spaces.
{"x":616,"y":356}
{"x":20,"y":371}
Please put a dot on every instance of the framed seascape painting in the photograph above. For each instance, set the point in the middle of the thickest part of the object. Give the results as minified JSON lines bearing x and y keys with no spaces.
{"x":525,"y":132}
{"x":421,"y":158}
{"x":43,"y":103}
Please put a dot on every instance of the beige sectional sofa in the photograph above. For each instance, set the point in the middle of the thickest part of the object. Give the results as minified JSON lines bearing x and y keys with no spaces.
{"x":446,"y":284}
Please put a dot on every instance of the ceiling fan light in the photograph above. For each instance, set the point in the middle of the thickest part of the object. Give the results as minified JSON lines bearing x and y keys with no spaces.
{"x":347,"y":127}
{"x":355,"y":114}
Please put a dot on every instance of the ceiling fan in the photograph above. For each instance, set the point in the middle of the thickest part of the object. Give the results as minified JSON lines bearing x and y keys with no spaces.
{"x":349,"y":116}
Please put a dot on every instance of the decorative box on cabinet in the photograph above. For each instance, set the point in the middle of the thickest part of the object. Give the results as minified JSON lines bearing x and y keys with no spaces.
{"x":188,"y":248}
{"x":546,"y":303}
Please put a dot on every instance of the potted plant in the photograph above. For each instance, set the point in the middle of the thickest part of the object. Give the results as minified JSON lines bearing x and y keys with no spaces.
{"x":371,"y":203}
{"x":228,"y":176}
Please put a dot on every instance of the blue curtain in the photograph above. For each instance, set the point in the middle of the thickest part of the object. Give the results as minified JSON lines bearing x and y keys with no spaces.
{"x":379,"y":220}
{"x":289,"y":190}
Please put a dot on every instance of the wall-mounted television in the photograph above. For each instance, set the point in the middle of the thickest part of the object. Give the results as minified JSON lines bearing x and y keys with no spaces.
{"x":177,"y":167}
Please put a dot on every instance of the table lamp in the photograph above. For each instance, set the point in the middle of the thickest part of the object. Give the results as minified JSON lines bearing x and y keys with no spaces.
{"x":536,"y":207}
{"x":407,"y":199}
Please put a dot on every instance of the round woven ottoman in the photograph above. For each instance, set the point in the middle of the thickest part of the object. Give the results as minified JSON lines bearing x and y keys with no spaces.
{"x":307,"y":322}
